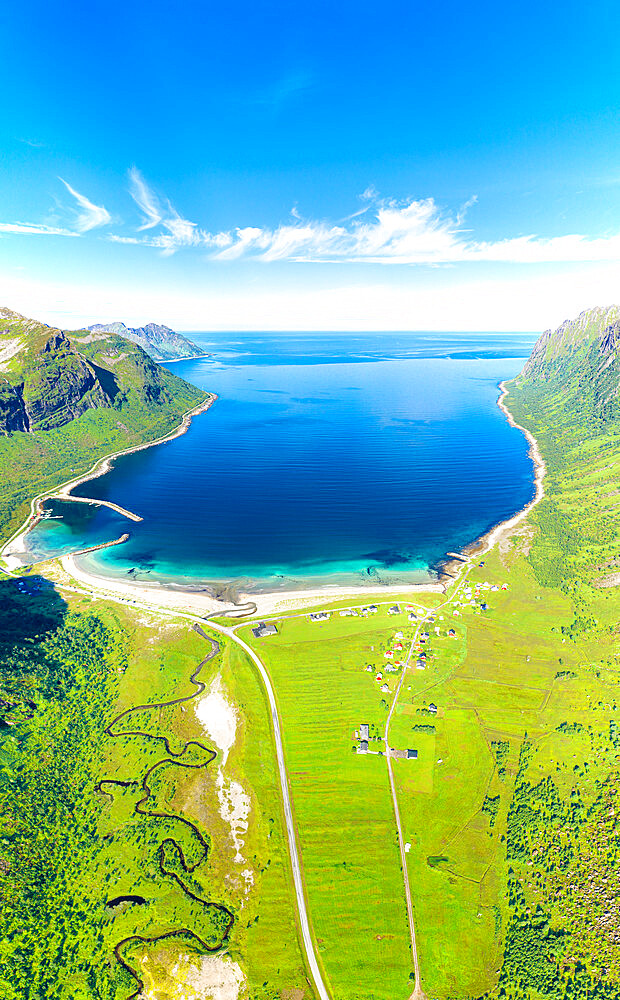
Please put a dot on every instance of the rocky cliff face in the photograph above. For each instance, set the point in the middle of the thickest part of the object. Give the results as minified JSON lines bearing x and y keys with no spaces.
{"x":60,"y":385}
{"x":160,"y":342}
{"x":49,"y":378}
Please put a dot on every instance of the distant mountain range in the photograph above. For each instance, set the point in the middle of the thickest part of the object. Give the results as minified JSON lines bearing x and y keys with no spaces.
{"x":160,"y":342}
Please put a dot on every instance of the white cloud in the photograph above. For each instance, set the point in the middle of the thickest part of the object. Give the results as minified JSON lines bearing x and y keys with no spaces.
{"x":89,"y":216}
{"x":410,"y":232}
{"x":384,"y":231}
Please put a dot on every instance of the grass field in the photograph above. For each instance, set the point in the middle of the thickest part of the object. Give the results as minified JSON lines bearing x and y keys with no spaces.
{"x":509,"y":672}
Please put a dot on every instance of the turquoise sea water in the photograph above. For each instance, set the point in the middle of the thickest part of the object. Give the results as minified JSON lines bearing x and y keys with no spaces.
{"x":326,"y":457}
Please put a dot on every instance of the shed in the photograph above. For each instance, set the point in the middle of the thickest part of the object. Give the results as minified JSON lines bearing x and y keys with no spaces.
{"x":412,"y":754}
{"x":262,"y":630}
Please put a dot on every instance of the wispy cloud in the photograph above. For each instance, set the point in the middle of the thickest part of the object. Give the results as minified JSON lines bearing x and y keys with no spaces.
{"x":89,"y":216}
{"x":383,"y":231}
{"x":178,"y":232}
{"x":27,"y":229}
{"x":145,"y":199}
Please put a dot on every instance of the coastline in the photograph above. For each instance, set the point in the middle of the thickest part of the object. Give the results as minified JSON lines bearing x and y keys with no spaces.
{"x":15,"y":543}
{"x":452,"y":568}
{"x":204,"y":602}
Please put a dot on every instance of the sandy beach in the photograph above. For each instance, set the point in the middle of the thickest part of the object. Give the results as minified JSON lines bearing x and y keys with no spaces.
{"x":203,"y":603}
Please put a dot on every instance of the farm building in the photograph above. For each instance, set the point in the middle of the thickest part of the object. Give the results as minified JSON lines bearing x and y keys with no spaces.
{"x":365,"y":731}
{"x":363,"y":746}
{"x":412,"y":754}
{"x":263,"y":630}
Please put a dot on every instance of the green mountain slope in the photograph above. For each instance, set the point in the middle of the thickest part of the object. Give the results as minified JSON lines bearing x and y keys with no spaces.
{"x":568,"y":395}
{"x":68,"y":398}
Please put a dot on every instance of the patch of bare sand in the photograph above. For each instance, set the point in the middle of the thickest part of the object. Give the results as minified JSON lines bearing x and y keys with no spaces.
{"x":218,"y":717}
{"x":193,"y":977}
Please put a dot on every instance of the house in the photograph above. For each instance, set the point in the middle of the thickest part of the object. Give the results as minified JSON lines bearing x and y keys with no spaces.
{"x":372,"y":609}
{"x":409,"y":607}
{"x":484,"y":607}
{"x":451,"y":633}
{"x":412,"y":754}
{"x":425,"y":635}
{"x":397,"y":663}
{"x":432,"y":709}
{"x":379,"y":677}
{"x":398,"y":635}
{"x":365,"y":731}
{"x":320,"y":616}
{"x":388,"y":654}
{"x":398,"y":646}
{"x":412,"y":617}
{"x":263,"y":630}
{"x":385,"y":689}
{"x":504,"y":586}
{"x":346,"y":612}
{"x":394,"y":610}
{"x":370,"y":668}
{"x":390,"y":669}
{"x":421,"y":665}
{"x":494,"y":588}
{"x":363,"y":746}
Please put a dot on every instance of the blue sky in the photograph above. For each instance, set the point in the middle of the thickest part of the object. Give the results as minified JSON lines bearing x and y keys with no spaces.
{"x":310,"y":166}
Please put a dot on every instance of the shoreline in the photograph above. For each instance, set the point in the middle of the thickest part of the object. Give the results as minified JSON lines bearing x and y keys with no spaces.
{"x":452,"y":568}
{"x":15,"y":542}
{"x":205,"y":602}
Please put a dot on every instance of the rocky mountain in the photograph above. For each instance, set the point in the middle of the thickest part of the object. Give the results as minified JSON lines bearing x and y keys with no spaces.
{"x":160,"y":342}
{"x":49,"y":377}
{"x":580,"y":362}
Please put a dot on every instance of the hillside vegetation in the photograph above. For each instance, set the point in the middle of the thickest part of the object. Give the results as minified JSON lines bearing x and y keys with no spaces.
{"x":568,"y":395}
{"x":66,"y":399}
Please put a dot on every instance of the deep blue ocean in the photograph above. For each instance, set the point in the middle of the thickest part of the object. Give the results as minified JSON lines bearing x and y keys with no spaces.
{"x":344,"y":457}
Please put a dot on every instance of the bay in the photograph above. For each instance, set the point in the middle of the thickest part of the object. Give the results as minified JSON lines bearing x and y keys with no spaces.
{"x":326,"y":458}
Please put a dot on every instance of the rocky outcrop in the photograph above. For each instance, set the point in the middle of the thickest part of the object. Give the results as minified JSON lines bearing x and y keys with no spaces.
{"x":13,"y":416}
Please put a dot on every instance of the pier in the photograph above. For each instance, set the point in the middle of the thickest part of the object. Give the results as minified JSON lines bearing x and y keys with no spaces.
{"x":97,"y":503}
